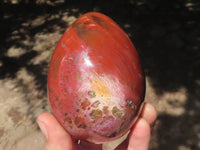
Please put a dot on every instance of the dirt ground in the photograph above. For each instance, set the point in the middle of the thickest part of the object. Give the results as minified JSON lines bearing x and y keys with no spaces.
{"x":165,"y":33}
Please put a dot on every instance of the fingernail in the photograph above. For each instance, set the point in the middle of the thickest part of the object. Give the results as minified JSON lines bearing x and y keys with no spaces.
{"x":43,"y":128}
{"x":153,"y":125}
{"x":141,"y":111}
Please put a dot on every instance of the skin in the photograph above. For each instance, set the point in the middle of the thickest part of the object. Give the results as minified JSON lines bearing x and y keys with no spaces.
{"x":58,"y":139}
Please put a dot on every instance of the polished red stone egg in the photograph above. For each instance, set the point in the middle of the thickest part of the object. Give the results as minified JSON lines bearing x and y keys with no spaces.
{"x":96,"y":82}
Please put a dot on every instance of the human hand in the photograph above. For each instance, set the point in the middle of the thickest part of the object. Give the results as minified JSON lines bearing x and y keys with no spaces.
{"x":58,"y":139}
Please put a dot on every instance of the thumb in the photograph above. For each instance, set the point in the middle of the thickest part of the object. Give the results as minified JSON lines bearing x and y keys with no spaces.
{"x":56,"y":137}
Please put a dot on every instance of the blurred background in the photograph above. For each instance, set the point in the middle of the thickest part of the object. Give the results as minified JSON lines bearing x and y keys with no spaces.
{"x":165,"y":33}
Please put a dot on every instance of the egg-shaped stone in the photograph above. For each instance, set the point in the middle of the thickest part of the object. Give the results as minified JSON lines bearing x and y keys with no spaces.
{"x":95,"y":81}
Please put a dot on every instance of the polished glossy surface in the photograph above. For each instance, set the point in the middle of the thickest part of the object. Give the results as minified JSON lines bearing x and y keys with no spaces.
{"x":95,"y":81}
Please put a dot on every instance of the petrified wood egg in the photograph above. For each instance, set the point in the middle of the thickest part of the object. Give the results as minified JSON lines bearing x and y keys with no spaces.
{"x":95,"y":82}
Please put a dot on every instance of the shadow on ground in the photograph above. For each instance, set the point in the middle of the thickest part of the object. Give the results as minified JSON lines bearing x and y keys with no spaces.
{"x":166,"y":34}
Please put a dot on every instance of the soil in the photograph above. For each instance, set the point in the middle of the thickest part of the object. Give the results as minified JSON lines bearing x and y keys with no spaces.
{"x":166,"y":35}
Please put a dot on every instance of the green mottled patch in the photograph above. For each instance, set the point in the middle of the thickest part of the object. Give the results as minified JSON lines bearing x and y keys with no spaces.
{"x":92,"y":94}
{"x":96,"y":114}
{"x":117,"y":112}
{"x":95,"y":104}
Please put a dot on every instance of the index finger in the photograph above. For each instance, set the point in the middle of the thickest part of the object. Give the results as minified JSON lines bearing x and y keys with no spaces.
{"x":148,"y":112}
